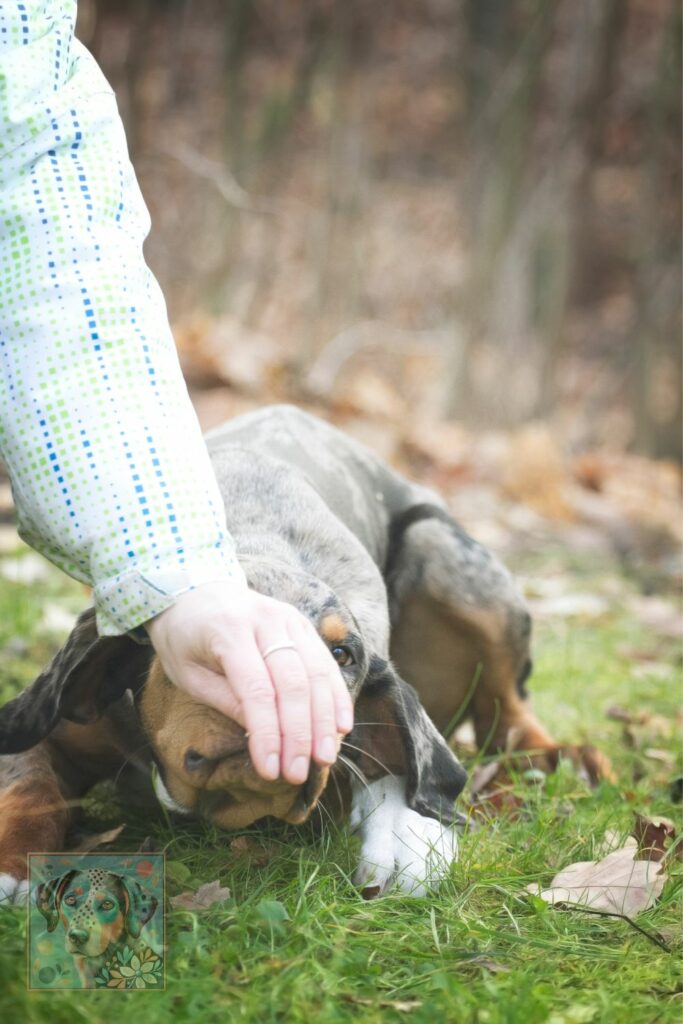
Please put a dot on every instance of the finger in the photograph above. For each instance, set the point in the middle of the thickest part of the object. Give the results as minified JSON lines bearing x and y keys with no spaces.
{"x":292,"y":691}
{"x":250,"y":680}
{"x":343,"y":703}
{"x":323,"y":676}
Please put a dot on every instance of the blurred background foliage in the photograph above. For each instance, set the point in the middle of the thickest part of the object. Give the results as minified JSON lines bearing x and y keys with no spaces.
{"x":465,"y":210}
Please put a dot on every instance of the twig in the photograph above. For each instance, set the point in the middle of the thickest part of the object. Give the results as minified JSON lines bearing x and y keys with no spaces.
{"x":623,"y":917}
{"x":223,"y":179}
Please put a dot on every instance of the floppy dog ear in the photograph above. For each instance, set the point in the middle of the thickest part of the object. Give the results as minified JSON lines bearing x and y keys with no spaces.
{"x":396,"y":736}
{"x":49,"y":898}
{"x":84,"y":677}
{"x":141,"y":906}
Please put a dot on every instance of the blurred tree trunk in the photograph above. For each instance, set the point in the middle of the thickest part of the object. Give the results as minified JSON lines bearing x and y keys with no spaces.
{"x":656,"y":367}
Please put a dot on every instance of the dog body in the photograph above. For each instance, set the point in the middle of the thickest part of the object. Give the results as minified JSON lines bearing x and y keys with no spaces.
{"x":386,"y":576}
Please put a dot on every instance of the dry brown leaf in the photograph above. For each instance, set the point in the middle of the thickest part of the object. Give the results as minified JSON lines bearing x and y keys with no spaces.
{"x":205,"y":896}
{"x":227,"y":351}
{"x":499,"y":802}
{"x":654,"y":836}
{"x":92,"y":842}
{"x":482,"y":775}
{"x":257,"y":854}
{"x":617,"y":884}
{"x":535,"y":472}
{"x":369,"y":394}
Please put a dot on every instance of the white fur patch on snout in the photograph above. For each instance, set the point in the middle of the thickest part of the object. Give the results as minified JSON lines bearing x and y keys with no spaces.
{"x":398,"y":845}
{"x":13,"y":892}
{"x":163,"y":795}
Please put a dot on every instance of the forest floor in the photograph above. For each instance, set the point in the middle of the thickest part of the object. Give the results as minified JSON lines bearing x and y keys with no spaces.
{"x":295,"y":941}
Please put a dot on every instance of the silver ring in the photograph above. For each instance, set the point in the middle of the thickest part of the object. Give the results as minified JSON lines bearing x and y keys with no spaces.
{"x":286,"y":646}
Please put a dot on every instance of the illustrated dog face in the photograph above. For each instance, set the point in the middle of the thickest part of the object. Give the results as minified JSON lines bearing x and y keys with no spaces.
{"x":96,"y":908}
{"x":201,"y":757}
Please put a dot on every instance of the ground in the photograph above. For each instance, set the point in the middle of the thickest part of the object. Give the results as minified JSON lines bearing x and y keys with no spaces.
{"x":295,"y":942}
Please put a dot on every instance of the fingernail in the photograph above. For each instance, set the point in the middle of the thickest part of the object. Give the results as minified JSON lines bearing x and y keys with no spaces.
{"x":345,"y":721}
{"x":272,"y":766}
{"x":327,"y":751}
{"x":298,"y":769}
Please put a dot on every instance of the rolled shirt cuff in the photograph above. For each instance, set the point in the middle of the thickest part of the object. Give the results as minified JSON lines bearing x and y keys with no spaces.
{"x":124,"y":602}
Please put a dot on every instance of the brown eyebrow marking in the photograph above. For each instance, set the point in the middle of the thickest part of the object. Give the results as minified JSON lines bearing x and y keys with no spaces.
{"x":334,"y":629}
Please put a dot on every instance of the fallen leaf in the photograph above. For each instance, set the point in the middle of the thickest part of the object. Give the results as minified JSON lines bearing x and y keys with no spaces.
{"x":613,"y":839}
{"x":246,"y":845}
{"x":205,"y":896}
{"x":654,"y":837}
{"x":499,"y":802}
{"x":482,"y":775}
{"x":92,"y":842}
{"x":617,"y":884}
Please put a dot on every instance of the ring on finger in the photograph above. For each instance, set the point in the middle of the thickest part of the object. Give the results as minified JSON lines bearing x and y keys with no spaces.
{"x":286,"y":645}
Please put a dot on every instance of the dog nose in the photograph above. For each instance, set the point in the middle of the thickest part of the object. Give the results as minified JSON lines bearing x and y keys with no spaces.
{"x":78,"y":935}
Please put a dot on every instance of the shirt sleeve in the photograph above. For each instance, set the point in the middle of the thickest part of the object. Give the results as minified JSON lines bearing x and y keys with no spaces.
{"x":111,"y":477}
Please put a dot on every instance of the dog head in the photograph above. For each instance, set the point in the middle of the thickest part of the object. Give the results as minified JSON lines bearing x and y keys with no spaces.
{"x":96,"y":908}
{"x":201,"y":760}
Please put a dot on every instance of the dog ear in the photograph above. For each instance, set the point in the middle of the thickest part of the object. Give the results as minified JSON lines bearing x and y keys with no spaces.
{"x":141,"y":906}
{"x":85,"y":676}
{"x":395,"y":735}
{"x":49,"y":898}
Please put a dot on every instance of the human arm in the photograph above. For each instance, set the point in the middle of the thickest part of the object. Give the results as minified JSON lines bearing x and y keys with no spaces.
{"x":111,"y":478}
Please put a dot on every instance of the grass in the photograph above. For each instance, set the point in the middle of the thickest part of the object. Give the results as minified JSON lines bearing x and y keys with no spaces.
{"x":296,"y":943}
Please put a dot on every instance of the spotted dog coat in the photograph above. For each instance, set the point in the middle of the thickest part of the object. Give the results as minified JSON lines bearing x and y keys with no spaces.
{"x":100,"y":912}
{"x":387,"y":577}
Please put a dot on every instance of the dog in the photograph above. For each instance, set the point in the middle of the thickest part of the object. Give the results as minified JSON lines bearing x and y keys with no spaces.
{"x":397,"y":590}
{"x":101,"y":913}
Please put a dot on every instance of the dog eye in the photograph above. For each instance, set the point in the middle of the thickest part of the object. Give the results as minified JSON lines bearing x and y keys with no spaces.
{"x":107,"y":905}
{"x":343,"y":656}
{"x":70,"y":900}
{"x":194,"y":760}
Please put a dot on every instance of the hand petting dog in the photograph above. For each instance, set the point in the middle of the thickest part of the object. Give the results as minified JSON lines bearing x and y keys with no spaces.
{"x":261,"y":663}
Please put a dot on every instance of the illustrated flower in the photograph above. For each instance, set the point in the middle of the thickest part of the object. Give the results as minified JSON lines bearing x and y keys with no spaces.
{"x":139,"y":971}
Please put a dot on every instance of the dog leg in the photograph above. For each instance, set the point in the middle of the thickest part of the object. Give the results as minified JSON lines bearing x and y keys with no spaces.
{"x":33,"y":816}
{"x":461,"y":632}
{"x":398,"y":845}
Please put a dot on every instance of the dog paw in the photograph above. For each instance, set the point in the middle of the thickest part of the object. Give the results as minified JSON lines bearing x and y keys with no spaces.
{"x":398,"y":846}
{"x":13,"y":891}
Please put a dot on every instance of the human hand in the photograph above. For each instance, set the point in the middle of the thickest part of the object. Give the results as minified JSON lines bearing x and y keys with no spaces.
{"x":293,"y":702}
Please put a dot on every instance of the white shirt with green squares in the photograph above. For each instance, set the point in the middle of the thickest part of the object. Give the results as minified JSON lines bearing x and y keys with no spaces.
{"x":111,"y":477}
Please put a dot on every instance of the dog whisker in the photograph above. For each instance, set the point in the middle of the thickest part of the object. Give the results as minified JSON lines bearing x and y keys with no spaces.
{"x":352,"y":746}
{"x":129,"y":759}
{"x":354,"y":769}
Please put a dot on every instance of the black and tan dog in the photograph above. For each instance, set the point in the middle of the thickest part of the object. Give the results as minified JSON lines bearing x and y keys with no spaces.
{"x":396,"y":589}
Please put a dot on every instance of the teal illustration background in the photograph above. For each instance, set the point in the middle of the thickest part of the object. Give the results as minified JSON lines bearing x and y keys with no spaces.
{"x":51,"y":966}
